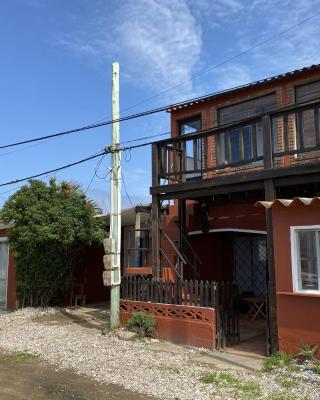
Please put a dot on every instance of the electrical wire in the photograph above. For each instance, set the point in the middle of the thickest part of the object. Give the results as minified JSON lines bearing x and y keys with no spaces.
{"x":53,"y":170}
{"x":125,"y":189}
{"x":164,"y":108}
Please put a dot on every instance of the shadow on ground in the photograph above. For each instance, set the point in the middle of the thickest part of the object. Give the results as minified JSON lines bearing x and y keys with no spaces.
{"x":23,"y":377}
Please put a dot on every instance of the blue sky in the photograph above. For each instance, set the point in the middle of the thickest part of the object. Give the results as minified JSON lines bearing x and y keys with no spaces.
{"x":56,"y":72}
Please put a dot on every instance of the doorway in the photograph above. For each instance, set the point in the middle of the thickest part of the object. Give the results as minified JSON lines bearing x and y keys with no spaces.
{"x":4,"y":262}
{"x":249,"y":272}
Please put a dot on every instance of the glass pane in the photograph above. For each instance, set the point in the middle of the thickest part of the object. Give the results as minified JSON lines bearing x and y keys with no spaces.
{"x":259,"y":138}
{"x":308,"y":279}
{"x":222,"y":148}
{"x":235,"y":145}
{"x":191,"y":125}
{"x":247,"y":142}
{"x":309,"y":135}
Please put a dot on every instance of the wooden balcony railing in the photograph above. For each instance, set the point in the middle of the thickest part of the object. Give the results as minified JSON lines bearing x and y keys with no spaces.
{"x":277,"y":139}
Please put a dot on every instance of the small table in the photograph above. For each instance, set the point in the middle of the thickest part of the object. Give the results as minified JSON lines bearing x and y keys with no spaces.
{"x":256,"y":305}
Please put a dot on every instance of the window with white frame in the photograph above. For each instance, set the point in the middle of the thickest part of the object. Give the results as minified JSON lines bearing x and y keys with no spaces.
{"x":305,"y":249}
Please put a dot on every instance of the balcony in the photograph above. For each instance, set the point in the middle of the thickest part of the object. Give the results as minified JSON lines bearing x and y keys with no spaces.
{"x":280,"y":144}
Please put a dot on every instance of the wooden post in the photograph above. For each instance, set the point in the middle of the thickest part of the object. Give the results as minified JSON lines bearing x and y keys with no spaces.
{"x":115,"y":214}
{"x":270,"y":195}
{"x":182,"y":226}
{"x":271,"y":276}
{"x":267,"y":142}
{"x":137,"y":237}
{"x":155,"y":232}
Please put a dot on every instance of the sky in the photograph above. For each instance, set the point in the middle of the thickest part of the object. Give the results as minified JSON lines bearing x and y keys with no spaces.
{"x":55,"y":63}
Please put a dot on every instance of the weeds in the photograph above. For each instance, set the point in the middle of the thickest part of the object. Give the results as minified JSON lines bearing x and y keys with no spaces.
{"x":20,"y":358}
{"x":278,"y":360}
{"x":244,"y":389}
{"x":286,"y":383}
{"x":307,"y":352}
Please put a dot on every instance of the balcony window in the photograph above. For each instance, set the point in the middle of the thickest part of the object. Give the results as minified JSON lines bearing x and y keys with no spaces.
{"x":242,"y":144}
{"x":305,"y":250}
{"x":192,"y":147}
{"x":307,"y":121}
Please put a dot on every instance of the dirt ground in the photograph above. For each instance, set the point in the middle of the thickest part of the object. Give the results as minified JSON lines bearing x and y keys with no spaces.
{"x":22,"y":379}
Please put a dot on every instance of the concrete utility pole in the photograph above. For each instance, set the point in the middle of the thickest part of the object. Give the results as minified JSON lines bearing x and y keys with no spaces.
{"x":115,"y":214}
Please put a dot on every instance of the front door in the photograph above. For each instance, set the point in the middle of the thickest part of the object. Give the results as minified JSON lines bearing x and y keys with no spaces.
{"x":250,"y":262}
{"x":4,"y":260}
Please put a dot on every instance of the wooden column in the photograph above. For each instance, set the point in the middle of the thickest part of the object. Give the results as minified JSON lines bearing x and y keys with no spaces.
{"x":155,"y":233}
{"x":155,"y":215}
{"x":270,"y":195}
{"x":271,"y":275}
{"x":182,"y":226}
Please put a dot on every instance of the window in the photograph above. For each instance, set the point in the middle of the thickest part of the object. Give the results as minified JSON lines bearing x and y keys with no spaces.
{"x":240,"y":144}
{"x":245,"y":143}
{"x":308,"y":92}
{"x":193,"y":147}
{"x":247,"y":109}
{"x":305,"y":250}
{"x":307,"y":121}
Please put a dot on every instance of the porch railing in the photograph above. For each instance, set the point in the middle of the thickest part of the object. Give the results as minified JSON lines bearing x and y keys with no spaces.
{"x":261,"y":142}
{"x":222,"y":296}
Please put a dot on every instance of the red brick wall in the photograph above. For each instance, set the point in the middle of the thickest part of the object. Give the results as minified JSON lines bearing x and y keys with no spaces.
{"x":284,"y":89}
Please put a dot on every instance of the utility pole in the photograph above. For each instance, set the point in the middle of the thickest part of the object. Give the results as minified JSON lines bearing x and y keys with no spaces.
{"x":115,"y":214}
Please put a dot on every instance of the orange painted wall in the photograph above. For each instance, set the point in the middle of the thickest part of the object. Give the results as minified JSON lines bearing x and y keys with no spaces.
{"x":298,"y":315}
{"x":11,"y":279}
{"x":177,"y":329}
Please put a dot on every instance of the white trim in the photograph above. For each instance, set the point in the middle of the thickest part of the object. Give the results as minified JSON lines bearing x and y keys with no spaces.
{"x":5,"y":240}
{"x":294,"y":258}
{"x":192,"y":233}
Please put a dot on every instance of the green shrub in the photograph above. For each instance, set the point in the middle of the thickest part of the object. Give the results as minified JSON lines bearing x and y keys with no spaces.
{"x":278,"y":360}
{"x":143,"y":324}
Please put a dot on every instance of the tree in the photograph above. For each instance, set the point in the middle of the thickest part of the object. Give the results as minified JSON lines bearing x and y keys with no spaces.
{"x":52,"y":225}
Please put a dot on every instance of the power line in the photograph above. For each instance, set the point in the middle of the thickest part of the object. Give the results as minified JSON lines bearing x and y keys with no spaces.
{"x":163,"y":108}
{"x":126,"y":192}
{"x":262,"y":42}
{"x":53,"y":170}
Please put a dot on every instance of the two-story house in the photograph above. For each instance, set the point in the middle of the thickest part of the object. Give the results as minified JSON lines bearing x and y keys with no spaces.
{"x":230,"y":156}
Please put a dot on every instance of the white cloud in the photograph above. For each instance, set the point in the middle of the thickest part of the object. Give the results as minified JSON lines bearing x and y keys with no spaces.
{"x":158,"y":42}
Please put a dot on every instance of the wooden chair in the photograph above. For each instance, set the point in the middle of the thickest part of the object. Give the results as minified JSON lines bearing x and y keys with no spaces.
{"x":77,"y":294}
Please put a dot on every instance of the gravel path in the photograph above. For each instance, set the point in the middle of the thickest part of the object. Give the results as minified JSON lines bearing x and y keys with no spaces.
{"x":135,"y":365}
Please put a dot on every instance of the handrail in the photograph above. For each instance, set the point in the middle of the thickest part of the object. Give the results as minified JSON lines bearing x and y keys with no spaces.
{"x":170,"y":263}
{"x":189,"y":245}
{"x":218,"y":129}
{"x":174,"y":246}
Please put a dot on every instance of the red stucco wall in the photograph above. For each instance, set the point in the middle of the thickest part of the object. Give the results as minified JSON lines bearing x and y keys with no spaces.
{"x":298,"y":314}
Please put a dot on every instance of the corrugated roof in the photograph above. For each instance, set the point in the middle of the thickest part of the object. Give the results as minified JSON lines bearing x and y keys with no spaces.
{"x":242,"y":87}
{"x":296,"y":201}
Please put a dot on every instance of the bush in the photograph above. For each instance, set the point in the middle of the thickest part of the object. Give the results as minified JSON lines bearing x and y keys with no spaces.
{"x":142,"y":324}
{"x":53,"y":223}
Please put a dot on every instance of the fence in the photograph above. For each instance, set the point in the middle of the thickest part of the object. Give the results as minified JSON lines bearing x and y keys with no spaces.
{"x":222,"y":296}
